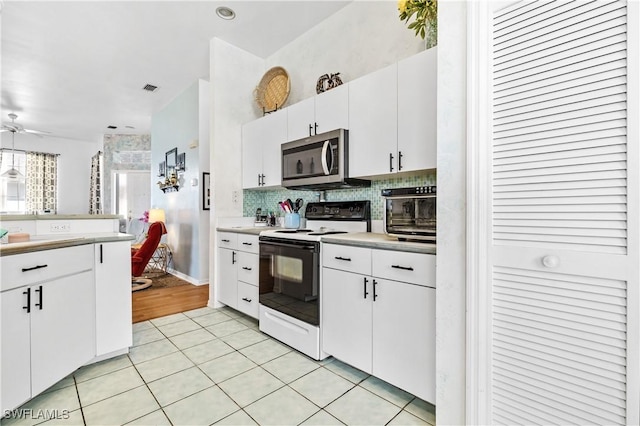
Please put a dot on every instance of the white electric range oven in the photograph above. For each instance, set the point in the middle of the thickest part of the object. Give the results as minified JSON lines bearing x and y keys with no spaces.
{"x":289,"y":283}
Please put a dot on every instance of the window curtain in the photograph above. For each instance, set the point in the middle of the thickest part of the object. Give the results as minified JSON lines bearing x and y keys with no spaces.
{"x":95,"y":187}
{"x":42,"y":182}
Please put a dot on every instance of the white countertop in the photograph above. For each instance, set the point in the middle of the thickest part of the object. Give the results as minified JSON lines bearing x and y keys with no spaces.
{"x":49,"y":242}
{"x":357,"y":239}
{"x":379,"y":241}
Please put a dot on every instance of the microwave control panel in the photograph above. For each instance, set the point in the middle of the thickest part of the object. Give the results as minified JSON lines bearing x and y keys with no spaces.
{"x":413,"y":190}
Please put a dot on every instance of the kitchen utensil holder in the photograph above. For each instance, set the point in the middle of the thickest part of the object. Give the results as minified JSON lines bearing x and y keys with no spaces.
{"x":292,"y":220}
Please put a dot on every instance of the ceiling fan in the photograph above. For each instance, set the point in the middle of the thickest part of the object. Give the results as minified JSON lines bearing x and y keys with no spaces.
{"x":14,"y":128}
{"x":19,"y":128}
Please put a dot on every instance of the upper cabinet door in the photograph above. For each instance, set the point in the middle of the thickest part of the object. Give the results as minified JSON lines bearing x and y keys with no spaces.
{"x":252,"y":142}
{"x":417,"y":112}
{"x":332,"y":109}
{"x":373,"y":123}
{"x":300,"y":119}
{"x":275,"y":134}
{"x":261,"y":140}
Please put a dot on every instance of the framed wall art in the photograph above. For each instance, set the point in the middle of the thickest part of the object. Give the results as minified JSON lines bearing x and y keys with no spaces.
{"x":206,"y":191}
{"x":181,"y":164}
{"x":171,"y":158}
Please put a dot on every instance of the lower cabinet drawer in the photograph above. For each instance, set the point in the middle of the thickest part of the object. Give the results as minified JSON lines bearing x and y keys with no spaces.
{"x":248,"y":265}
{"x":28,"y":268}
{"x":347,"y":258}
{"x":414,"y":268}
{"x":248,"y":299}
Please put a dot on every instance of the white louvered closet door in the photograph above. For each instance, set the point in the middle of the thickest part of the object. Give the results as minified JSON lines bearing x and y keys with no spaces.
{"x":561,"y":216}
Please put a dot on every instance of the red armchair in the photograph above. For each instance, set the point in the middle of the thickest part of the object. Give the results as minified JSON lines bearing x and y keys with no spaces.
{"x":140,"y":257}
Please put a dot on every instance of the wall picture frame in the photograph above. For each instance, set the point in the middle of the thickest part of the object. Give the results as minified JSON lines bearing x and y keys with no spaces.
{"x":206,"y":191}
{"x":182,"y":160}
{"x":162,"y":169}
{"x":171,"y":159}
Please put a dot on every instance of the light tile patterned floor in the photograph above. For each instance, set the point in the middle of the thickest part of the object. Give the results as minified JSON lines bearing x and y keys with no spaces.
{"x":213,"y":366}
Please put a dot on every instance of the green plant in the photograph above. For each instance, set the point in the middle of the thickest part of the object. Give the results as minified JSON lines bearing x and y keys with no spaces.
{"x":425,"y":12}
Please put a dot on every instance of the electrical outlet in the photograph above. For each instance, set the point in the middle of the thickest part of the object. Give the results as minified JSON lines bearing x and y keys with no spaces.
{"x":235,"y":196}
{"x":62,"y":227}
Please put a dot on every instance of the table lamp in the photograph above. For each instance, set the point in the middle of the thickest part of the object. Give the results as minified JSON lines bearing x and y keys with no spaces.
{"x":156,"y":215}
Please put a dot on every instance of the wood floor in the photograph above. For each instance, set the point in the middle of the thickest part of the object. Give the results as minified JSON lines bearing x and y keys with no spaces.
{"x":154,"y":303}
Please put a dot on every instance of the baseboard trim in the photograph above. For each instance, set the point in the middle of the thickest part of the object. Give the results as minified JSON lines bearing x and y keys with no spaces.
{"x":187,"y":278}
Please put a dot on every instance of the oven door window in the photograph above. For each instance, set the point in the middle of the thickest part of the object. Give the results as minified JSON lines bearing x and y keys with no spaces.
{"x":289,"y":279}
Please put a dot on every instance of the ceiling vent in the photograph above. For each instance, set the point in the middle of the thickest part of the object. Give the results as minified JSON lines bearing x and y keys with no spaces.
{"x":150,"y":88}
{"x":112,"y":127}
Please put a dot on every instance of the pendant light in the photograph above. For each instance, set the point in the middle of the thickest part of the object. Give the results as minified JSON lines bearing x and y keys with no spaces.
{"x":12,"y":173}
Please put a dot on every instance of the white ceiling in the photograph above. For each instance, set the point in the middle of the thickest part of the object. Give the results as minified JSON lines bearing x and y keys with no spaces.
{"x":74,"y":68}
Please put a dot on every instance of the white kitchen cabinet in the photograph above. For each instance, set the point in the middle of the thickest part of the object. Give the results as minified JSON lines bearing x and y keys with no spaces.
{"x":346,"y":317}
{"x":403,"y":328}
{"x":417,"y":89}
{"x":261,"y":140}
{"x":239,"y":269}
{"x":43,"y":319}
{"x":322,"y":113}
{"x":16,"y":349}
{"x":392,"y":118}
{"x":228,"y":281}
{"x":381,"y":326}
{"x":112,"y":266}
{"x":373,"y":122}
{"x":62,"y":329}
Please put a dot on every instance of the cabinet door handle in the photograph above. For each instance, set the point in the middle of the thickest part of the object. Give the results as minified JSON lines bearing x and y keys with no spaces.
{"x":248,"y":244}
{"x":34,"y":267}
{"x":28,"y":293}
{"x":246,"y":299}
{"x":399,"y":160}
{"x":348,"y":259}
{"x":365,"y":287}
{"x":315,"y":125}
{"x":258,"y":179}
{"x":225,"y":241}
{"x":375,"y":295}
{"x":262,"y":180}
{"x":39,"y":291}
{"x":390,"y":162}
{"x":100,"y":253}
{"x":246,"y":269}
{"x":233,"y":257}
{"x":406,"y":268}
{"x":310,"y":127}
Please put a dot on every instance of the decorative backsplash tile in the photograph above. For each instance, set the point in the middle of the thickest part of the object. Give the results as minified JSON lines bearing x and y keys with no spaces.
{"x":268,"y":200}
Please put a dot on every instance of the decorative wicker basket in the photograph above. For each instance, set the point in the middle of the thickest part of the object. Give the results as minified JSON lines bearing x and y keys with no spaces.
{"x":273,"y":90}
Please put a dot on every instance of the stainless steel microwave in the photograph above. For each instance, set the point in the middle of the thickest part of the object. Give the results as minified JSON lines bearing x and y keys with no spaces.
{"x":318,"y":162}
{"x":410,"y":213}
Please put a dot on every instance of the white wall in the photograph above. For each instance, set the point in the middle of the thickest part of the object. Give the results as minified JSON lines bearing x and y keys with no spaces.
{"x":357,"y":40}
{"x":234,"y":73}
{"x":204,"y":152}
{"x":451,"y":259}
{"x":177,"y":126}
{"x":74,"y":167}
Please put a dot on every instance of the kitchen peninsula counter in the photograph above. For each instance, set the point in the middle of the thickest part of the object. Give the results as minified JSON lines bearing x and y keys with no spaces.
{"x":379,"y":241}
{"x":46,"y":216}
{"x":49,"y":242}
